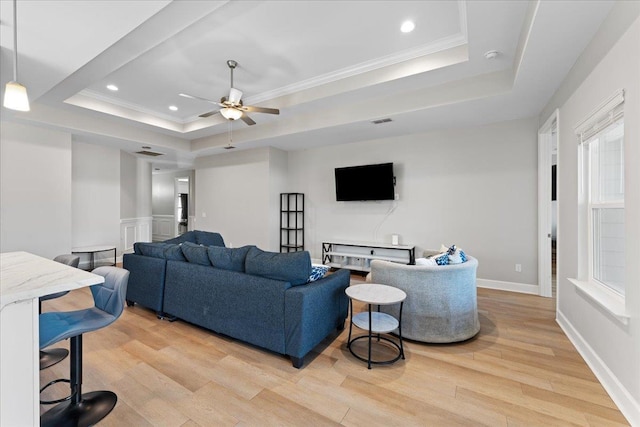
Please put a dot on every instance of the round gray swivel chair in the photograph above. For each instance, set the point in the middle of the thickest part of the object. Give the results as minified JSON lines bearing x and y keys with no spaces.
{"x":52,"y":356}
{"x":83,"y":409}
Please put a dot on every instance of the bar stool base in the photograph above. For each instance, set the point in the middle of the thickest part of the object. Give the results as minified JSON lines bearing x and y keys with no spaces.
{"x":92,"y":408}
{"x":52,"y":356}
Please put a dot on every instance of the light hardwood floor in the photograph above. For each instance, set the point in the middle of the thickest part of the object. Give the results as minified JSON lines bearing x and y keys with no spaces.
{"x":520,"y":370}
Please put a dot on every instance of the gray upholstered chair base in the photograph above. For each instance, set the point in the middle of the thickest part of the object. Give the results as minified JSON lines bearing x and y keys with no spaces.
{"x":441,"y":304}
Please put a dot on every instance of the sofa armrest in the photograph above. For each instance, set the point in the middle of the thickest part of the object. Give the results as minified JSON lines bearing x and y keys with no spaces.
{"x":313,"y":311}
{"x":146,"y":280}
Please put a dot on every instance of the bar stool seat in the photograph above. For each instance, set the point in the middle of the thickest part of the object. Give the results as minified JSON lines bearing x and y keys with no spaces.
{"x":84,"y":409}
{"x":55,"y":355}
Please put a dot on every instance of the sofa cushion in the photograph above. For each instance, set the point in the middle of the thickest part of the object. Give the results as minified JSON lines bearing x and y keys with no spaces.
{"x":228,"y":258}
{"x":155,"y":250}
{"x":293,"y":267}
{"x":174,"y":252}
{"x":196,"y":254}
{"x":208,"y":238}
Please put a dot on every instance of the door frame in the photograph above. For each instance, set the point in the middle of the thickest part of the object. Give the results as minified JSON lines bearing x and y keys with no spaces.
{"x":545,"y":140}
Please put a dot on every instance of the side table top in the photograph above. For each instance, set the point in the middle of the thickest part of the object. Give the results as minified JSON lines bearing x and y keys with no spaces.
{"x":372,"y":293}
{"x":89,"y":249}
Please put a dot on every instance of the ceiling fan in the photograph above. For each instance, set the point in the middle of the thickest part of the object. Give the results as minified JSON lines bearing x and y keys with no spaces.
{"x":231,"y":106}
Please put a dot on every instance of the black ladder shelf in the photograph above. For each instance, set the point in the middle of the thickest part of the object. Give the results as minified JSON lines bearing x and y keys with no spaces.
{"x":291,"y":222}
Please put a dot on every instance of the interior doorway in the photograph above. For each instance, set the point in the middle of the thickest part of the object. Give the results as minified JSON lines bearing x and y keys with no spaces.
{"x":181,"y":198}
{"x":548,"y":172}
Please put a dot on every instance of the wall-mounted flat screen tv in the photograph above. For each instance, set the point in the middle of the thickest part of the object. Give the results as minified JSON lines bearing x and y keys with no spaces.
{"x":367,"y":182}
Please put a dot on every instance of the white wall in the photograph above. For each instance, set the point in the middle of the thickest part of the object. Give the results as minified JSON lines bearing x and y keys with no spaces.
{"x":476,"y":188}
{"x":135,"y":187}
{"x":95,"y":194}
{"x":35,"y":190}
{"x":232,"y":190}
{"x":278,"y":183}
{"x":611,"y":348}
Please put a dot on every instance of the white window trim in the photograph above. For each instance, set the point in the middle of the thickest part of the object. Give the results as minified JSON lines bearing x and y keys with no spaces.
{"x":606,"y":113}
{"x":606,"y":298}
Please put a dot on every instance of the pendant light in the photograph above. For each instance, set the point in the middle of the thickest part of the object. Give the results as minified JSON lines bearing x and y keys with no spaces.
{"x":15,"y":95}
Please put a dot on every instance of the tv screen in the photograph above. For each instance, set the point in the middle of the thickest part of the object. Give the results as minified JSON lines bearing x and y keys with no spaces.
{"x":368,"y":182}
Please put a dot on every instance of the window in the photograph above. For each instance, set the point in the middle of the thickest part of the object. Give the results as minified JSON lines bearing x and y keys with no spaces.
{"x":602,"y":169}
{"x":605,"y":206}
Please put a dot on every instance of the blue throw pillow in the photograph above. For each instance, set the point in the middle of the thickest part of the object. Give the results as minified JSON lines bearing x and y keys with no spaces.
{"x":442,"y":259}
{"x":318,"y":272}
{"x":292,"y":267}
{"x":195,"y":253}
{"x":155,"y":250}
{"x":208,"y":238}
{"x":174,"y":253}
{"x":228,"y":258}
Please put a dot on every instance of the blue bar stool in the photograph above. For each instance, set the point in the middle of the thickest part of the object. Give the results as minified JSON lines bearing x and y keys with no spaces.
{"x":52,"y":356}
{"x":83,"y":409}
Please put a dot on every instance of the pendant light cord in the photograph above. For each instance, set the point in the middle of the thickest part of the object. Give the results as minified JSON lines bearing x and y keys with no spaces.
{"x":15,"y":40}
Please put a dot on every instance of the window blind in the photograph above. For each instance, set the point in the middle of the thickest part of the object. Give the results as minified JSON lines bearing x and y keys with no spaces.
{"x":605,"y":114}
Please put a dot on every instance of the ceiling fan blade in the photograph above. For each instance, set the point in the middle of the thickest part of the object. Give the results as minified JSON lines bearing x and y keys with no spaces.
{"x":209,"y":114}
{"x":261,"y":109}
{"x":248,"y":120}
{"x":200,"y":98}
{"x":235,"y":95}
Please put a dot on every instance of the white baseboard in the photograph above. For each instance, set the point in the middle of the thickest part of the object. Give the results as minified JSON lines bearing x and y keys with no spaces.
{"x":508,"y":286}
{"x":629,"y":407}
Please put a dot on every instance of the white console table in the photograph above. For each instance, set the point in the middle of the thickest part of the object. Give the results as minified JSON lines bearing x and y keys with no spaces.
{"x":358,"y":255}
{"x":24,"y":278}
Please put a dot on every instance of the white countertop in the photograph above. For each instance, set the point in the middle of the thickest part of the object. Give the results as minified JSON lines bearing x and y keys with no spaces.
{"x":25,"y":276}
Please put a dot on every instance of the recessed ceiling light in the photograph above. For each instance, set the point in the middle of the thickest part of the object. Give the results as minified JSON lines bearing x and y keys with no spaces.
{"x":407,"y":26}
{"x":173,"y":108}
{"x":113,"y":88}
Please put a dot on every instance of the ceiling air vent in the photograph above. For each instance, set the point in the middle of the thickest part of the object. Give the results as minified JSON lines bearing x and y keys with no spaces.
{"x":380,"y":121}
{"x":149,"y":153}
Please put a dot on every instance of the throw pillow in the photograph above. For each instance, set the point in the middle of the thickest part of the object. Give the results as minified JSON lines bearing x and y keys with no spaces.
{"x":292,"y":267}
{"x":441,"y":259}
{"x":174,"y":253}
{"x":426,"y":261}
{"x":456,"y":255}
{"x":317,"y":272}
{"x":208,"y":238}
{"x":155,"y":250}
{"x":228,"y":258}
{"x":195,"y":253}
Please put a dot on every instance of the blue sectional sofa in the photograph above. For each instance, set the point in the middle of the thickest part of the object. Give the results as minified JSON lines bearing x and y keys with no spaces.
{"x":263,"y":298}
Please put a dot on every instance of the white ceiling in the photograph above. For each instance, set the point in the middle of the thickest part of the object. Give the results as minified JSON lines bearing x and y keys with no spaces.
{"x":331,"y":67}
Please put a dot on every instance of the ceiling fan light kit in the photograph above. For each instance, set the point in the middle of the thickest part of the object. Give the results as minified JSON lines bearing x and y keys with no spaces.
{"x":15,"y":94}
{"x":231,"y":113}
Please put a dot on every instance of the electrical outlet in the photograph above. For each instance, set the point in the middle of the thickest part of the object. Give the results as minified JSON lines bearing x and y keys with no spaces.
{"x":519,"y":268}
